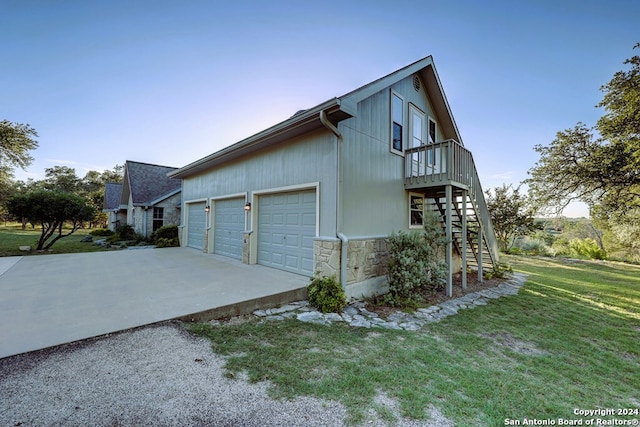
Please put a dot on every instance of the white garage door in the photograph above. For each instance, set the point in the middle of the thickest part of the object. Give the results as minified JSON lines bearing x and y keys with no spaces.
{"x":195,"y":225}
{"x":286,"y":229}
{"x":228,"y":227}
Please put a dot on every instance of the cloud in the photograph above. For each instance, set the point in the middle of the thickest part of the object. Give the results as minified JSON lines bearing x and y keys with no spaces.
{"x":62,"y":162}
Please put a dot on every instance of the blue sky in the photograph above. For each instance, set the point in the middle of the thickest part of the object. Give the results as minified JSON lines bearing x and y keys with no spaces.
{"x":169,"y":82}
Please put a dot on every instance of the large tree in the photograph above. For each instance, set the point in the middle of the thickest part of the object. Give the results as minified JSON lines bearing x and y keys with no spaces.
{"x":600,"y":165}
{"x":16,"y":140}
{"x":62,"y":179}
{"x":511,"y":214}
{"x":52,"y":210}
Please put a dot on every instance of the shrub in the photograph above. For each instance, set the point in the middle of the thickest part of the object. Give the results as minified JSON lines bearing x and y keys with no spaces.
{"x":501,"y":270}
{"x":531,"y":246}
{"x":326,"y":294}
{"x":587,"y":248}
{"x":415,"y":266}
{"x":101,"y":232}
{"x":166,"y":236}
{"x":124,"y":232}
{"x":163,"y":242}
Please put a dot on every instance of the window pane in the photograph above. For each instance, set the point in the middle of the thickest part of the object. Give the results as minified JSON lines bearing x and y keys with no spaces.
{"x":432,"y":131}
{"x":416,"y":218}
{"x":397,"y":137}
{"x":417,"y":130}
{"x":397,"y":109}
{"x":416,"y":202}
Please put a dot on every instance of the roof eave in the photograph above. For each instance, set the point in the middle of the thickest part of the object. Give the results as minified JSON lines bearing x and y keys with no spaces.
{"x":292,"y":127}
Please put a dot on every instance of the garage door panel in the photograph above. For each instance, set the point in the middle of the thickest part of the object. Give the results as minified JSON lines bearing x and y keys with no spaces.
{"x":229,"y":227}
{"x":195,"y":225}
{"x":287,"y":227}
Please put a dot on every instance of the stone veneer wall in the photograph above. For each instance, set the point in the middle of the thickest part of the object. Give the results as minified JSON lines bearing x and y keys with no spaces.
{"x":246,"y":244}
{"x":367,"y":258}
{"x":327,"y":257}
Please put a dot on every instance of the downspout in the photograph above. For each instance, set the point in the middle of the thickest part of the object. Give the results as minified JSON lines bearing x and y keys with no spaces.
{"x":344,"y":240}
{"x":144,"y":219}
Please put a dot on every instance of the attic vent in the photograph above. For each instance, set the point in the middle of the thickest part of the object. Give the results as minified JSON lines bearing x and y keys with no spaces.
{"x":298,"y":112}
{"x":416,"y":83}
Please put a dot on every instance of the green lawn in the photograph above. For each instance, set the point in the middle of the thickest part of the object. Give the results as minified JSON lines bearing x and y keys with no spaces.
{"x":12,"y":236}
{"x":569,"y":340}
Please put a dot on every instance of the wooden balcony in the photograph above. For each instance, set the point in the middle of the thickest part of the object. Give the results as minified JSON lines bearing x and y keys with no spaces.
{"x":439,"y":164}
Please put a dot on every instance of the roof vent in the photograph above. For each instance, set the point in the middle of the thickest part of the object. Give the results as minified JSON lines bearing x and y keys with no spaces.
{"x":416,"y":83}
{"x":297,"y":113}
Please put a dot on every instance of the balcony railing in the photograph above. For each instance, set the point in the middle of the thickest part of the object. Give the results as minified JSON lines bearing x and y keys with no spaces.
{"x":449,"y":163}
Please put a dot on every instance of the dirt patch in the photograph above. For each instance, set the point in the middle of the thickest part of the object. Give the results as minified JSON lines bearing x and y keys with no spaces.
{"x":523,"y":347}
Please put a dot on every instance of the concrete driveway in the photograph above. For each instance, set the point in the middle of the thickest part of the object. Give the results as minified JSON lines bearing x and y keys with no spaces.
{"x":49,"y":300}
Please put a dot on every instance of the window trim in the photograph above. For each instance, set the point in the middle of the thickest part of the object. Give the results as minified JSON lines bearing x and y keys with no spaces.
{"x":402,"y":125}
{"x":411,"y":210}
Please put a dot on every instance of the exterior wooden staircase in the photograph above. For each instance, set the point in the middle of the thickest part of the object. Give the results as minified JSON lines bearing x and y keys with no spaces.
{"x":446,"y":174}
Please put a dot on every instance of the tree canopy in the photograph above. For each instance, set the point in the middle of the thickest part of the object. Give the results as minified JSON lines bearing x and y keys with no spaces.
{"x":600,"y":165}
{"x":511,"y":214}
{"x":52,"y":210}
{"x":16,"y":140}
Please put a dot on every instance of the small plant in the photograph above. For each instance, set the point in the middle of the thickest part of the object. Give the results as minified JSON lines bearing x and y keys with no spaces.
{"x":501,"y":270}
{"x":163,"y":242}
{"x":123,"y":232}
{"x":101,"y":232}
{"x":326,"y":294}
{"x":166,"y":236}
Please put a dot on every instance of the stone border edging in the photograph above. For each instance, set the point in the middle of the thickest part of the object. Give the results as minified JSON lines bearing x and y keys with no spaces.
{"x":358,"y":316}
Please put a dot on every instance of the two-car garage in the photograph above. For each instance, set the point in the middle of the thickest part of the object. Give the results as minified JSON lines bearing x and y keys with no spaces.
{"x":284,"y":225}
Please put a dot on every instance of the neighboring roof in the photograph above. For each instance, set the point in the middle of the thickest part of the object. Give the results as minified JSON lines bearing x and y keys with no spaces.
{"x":336,"y":110}
{"x":146,"y":183}
{"x":112,"y":193}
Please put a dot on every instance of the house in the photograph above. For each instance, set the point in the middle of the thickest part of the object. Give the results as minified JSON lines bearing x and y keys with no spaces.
{"x":111,"y":205}
{"x":146,"y":199}
{"x":321,"y":191}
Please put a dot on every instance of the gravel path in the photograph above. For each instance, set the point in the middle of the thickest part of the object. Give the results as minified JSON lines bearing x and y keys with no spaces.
{"x":154,"y":376}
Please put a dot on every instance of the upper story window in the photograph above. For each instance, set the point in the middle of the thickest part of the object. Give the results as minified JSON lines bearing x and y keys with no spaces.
{"x":432,"y":131}
{"x":397,"y":123}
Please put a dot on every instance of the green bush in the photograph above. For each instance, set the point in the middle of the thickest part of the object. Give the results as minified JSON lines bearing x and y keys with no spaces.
{"x":163,"y":242}
{"x":165,"y":232}
{"x":501,"y":270}
{"x":416,"y":266}
{"x":166,"y":236}
{"x":124,"y":232}
{"x":587,"y":248}
{"x":326,"y":294}
{"x":101,"y":232}
{"x":531,"y":246}
{"x":580,"y":248}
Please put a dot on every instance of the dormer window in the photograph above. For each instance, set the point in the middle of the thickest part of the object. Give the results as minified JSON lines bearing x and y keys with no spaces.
{"x":397,"y":123}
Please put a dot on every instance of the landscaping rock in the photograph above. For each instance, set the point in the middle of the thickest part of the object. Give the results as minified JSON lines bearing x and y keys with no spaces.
{"x":25,"y":248}
{"x":357,"y":315}
{"x":86,"y":239}
{"x":310,"y":316}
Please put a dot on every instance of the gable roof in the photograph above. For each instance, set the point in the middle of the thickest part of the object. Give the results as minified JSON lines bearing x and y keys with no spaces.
{"x":147,"y":183}
{"x":336,"y":110}
{"x":112,"y":194}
